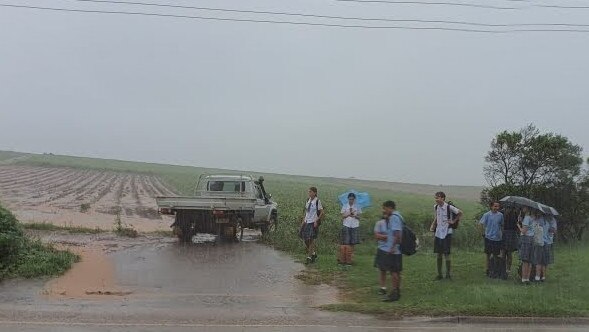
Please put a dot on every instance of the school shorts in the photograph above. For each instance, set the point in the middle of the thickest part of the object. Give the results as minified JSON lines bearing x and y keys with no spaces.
{"x":388,"y":262}
{"x":493,"y":247}
{"x":443,"y":246}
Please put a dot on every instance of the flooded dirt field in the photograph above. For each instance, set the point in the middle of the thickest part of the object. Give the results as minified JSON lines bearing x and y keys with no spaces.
{"x":86,"y":198}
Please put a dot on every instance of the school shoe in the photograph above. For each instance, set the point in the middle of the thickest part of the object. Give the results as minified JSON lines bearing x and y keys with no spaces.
{"x":314,"y":258}
{"x":308,"y":260}
{"x":382,"y":291}
{"x":393,"y":297}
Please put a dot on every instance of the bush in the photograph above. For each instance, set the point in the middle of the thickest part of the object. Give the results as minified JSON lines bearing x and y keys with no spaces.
{"x":23,"y":257}
{"x":85,"y":207}
{"x":12,"y":240}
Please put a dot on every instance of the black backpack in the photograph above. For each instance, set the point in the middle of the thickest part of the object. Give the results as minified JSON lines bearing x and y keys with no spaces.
{"x":408,"y":239}
{"x":451,"y":215}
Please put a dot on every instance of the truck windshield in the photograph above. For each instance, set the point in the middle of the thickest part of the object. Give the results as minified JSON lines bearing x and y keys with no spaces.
{"x":226,"y":186}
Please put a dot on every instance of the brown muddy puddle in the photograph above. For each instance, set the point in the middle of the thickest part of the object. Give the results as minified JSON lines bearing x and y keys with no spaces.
{"x":161,"y":270}
{"x":92,"y":277}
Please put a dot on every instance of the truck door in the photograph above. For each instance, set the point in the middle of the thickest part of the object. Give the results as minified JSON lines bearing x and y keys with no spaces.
{"x":261,"y":212}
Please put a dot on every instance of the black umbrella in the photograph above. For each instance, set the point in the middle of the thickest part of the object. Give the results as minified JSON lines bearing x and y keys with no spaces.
{"x":549,"y":210}
{"x":521,"y":202}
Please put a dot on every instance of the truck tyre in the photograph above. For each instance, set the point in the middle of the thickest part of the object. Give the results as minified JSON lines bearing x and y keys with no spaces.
{"x":270,"y":225}
{"x":184,"y":234}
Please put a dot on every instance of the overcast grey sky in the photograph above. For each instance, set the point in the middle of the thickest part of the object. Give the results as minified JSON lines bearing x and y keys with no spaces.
{"x":401,"y":105}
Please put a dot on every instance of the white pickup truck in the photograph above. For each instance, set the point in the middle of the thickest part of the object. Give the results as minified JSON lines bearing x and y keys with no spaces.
{"x":222,"y":205}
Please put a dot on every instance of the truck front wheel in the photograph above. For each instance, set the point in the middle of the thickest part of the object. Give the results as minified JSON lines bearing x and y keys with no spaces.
{"x":270,"y":226}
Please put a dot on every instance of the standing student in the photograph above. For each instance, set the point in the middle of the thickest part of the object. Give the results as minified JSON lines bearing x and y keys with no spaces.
{"x":539,"y":223}
{"x":349,"y":234}
{"x":445,"y":215}
{"x":510,"y":236}
{"x":526,"y":245}
{"x":549,"y":232}
{"x":309,"y":227}
{"x":388,"y":232}
{"x":492,"y":224}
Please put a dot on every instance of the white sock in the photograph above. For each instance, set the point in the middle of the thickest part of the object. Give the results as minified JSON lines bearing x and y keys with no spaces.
{"x":543,"y":278}
{"x":383,"y":288}
{"x":524,"y":280}
{"x":537,"y":278}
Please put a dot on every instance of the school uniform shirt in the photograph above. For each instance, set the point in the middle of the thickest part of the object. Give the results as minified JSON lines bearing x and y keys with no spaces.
{"x":493,"y":223}
{"x":382,"y":227}
{"x":527,"y":222}
{"x":311,"y":210}
{"x":538,"y":224}
{"x":549,"y":236}
{"x":350,"y":221}
{"x":443,"y":228}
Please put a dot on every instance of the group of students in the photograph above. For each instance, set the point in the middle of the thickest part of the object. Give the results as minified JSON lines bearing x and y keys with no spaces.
{"x":387,"y":233}
{"x":527,"y":230}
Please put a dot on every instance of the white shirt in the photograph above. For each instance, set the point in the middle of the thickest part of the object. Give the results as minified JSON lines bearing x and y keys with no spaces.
{"x":442,"y":227}
{"x":350,"y":221}
{"x":311,"y":210}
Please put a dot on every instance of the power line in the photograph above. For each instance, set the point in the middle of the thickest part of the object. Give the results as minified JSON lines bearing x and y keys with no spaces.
{"x":560,"y":6}
{"x":291,"y":22}
{"x":434,"y":3}
{"x":466,"y":4}
{"x":139,"y":3}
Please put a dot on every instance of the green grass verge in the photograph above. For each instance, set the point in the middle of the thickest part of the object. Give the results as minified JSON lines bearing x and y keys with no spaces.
{"x":26,"y":258}
{"x":70,"y":229}
{"x":470,"y":292}
{"x":40,"y":260}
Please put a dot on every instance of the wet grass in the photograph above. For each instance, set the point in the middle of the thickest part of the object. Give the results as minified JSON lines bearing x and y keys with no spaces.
{"x":22,"y":257}
{"x":70,"y":229}
{"x":470,"y":293}
{"x":41,"y":260}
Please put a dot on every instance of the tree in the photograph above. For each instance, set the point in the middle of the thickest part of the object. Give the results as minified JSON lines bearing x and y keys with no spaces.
{"x":544,"y":167}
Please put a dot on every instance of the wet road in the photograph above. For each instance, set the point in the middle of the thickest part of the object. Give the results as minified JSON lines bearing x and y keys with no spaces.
{"x":230,"y":287}
{"x":410,"y":326}
{"x":232,"y":283}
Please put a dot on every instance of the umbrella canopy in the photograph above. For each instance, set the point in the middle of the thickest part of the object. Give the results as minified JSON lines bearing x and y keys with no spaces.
{"x":521,"y":202}
{"x":548,"y":210}
{"x":363,"y":199}
{"x":545,"y":208}
{"x":554,"y":212}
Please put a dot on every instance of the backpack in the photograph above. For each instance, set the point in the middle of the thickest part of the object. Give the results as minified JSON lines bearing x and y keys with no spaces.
{"x":451,"y":215}
{"x":408,"y":239}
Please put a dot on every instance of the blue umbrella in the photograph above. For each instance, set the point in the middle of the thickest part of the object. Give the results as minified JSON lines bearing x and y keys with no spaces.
{"x":363,"y":200}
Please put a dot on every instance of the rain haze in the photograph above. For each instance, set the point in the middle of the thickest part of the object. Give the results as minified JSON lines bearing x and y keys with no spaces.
{"x":403,"y":105}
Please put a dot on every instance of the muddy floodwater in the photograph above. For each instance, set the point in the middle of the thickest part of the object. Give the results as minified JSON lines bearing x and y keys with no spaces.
{"x":157,"y":279}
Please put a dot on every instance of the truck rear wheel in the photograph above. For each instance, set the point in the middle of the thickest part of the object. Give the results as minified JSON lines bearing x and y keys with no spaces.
{"x":184,"y":234}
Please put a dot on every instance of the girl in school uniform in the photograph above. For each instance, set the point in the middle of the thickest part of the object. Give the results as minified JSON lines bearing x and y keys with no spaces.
{"x":526,"y":245}
{"x":349,"y":233}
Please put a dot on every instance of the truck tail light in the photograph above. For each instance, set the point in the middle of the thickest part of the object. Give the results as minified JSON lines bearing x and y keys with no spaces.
{"x":218,"y":213}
